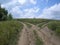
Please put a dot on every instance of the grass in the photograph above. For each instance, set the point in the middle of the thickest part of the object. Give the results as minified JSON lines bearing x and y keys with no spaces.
{"x":55,"y":26}
{"x":38,"y":40}
{"x":28,"y":24}
{"x":34,"y":21}
{"x":41,"y":24}
{"x":9,"y":31}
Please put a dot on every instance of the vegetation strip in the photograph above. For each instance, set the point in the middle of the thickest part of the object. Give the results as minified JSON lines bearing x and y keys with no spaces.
{"x":9,"y":32}
{"x":27,"y":24}
{"x":34,"y":21}
{"x":55,"y":26}
{"x":38,"y":40}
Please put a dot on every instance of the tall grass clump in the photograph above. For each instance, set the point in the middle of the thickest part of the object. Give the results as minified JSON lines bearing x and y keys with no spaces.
{"x":9,"y":31}
{"x":55,"y":26}
{"x":38,"y":40}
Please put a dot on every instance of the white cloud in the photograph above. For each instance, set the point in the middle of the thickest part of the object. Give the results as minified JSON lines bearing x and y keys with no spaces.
{"x":33,"y":1}
{"x":14,"y":7}
{"x":51,"y":12}
{"x":31,"y":13}
{"x":22,"y":1}
{"x":16,"y":12}
{"x":14,"y":3}
{"x":26,"y":13}
{"x":9,"y":4}
{"x":19,"y":2}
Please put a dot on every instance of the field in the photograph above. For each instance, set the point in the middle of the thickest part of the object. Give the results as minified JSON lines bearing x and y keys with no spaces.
{"x":30,"y":32}
{"x":34,"y":21}
{"x":52,"y":24}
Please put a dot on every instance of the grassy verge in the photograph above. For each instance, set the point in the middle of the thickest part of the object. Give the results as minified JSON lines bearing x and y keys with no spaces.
{"x":55,"y":26}
{"x":9,"y":31}
{"x":38,"y":40}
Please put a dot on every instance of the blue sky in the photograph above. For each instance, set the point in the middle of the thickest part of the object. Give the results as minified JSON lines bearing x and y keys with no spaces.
{"x":33,"y":8}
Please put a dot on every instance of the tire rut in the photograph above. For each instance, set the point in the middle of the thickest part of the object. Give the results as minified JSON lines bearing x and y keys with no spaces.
{"x":27,"y":37}
{"x":24,"y":38}
{"x":46,"y":37}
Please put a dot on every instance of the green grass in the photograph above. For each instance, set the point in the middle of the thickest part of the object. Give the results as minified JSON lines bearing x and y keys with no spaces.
{"x":55,"y":26}
{"x":9,"y":32}
{"x":34,"y":21}
{"x":29,"y":26}
{"x":38,"y":40}
{"x":41,"y":24}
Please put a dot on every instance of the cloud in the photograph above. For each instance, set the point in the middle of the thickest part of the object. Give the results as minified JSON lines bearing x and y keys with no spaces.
{"x":52,"y":12}
{"x":9,"y":3}
{"x":22,"y":1}
{"x":33,"y":1}
{"x":16,"y":7}
{"x":26,"y":13}
{"x":13,"y":3}
{"x":19,"y":2}
{"x":16,"y":12}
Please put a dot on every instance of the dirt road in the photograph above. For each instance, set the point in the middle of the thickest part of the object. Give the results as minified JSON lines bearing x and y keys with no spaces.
{"x":27,"y":36}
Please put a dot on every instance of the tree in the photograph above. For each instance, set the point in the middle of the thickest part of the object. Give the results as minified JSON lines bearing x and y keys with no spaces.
{"x":3,"y":14}
{"x":10,"y":16}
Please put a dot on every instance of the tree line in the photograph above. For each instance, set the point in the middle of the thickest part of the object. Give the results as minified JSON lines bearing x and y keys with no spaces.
{"x":4,"y":14}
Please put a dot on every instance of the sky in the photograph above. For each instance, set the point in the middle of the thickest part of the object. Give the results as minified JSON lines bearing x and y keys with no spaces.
{"x":49,"y":9}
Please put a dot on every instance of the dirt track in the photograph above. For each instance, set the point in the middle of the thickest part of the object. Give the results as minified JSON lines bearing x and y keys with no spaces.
{"x":27,"y":37}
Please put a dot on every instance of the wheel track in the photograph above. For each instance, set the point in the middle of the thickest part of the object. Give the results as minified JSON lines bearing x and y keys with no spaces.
{"x":30,"y":35}
{"x":46,"y":38}
{"x":27,"y":37}
{"x":24,"y":38}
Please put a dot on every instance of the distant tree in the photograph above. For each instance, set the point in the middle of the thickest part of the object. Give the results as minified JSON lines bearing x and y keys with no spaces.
{"x":3,"y":13}
{"x":10,"y":16}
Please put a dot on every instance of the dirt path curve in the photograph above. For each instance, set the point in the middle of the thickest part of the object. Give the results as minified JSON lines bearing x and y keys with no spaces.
{"x":46,"y":35}
{"x":23,"y":40}
{"x":27,"y":36}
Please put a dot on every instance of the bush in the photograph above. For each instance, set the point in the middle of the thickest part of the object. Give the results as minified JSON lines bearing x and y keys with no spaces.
{"x":52,"y":26}
{"x":58,"y":30}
